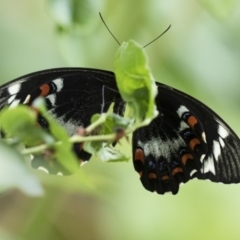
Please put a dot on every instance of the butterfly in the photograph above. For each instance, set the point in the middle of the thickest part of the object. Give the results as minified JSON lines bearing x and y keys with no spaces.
{"x":186,"y":140}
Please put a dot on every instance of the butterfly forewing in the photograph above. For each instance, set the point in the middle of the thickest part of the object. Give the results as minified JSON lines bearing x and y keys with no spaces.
{"x":72,"y":96}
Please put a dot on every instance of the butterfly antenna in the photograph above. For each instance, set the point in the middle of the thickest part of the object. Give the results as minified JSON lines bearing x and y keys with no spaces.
{"x":157,"y":37}
{"x":109,"y":29}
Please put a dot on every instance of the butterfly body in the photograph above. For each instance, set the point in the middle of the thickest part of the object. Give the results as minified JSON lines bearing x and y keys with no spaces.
{"x":186,"y":140}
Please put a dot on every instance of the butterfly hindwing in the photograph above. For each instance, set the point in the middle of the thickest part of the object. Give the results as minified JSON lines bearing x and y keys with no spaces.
{"x":221,"y":163}
{"x":187,"y":140}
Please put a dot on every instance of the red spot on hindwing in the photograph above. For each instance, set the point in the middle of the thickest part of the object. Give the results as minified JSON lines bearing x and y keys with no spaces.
{"x":139,"y":157}
{"x":177,"y":170}
{"x":186,"y":157}
{"x":192,"y":121}
{"x":193,"y":143}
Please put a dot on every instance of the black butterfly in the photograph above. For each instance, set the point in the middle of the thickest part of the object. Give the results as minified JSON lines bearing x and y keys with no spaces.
{"x":187,"y":140}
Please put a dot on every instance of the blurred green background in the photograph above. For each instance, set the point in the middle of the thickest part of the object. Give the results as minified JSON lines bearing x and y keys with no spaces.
{"x":199,"y":55}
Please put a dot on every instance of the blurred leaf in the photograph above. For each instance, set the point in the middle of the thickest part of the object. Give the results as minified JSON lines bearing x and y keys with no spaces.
{"x":220,"y":9}
{"x":66,"y":157}
{"x":14,"y":173}
{"x":6,"y":236}
{"x":62,"y":153}
{"x":76,"y":15}
{"x":110,"y":154}
{"x":41,"y":143}
{"x":24,"y":118}
{"x":105,"y":151}
{"x":25,"y":128}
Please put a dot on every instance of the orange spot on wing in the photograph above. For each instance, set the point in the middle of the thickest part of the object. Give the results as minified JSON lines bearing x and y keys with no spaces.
{"x":177,"y":170}
{"x":152,"y":176}
{"x":193,"y":143}
{"x":192,"y":121}
{"x":45,"y":89}
{"x":139,"y":155}
{"x":185,"y":157}
{"x":165,"y":177}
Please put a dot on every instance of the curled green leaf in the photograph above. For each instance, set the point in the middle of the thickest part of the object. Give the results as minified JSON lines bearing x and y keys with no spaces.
{"x":135,"y":81}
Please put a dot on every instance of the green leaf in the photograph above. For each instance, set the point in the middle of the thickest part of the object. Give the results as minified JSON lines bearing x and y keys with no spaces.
{"x":14,"y":120}
{"x":14,"y":172}
{"x":7,"y":235}
{"x":66,"y":157}
{"x":135,"y":81}
{"x":109,"y":123}
{"x":63,"y":153}
{"x":106,"y":152}
{"x":110,"y":154}
{"x":21,"y":123}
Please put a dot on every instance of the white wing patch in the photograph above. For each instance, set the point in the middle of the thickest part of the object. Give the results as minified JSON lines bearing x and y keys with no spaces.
{"x":14,"y":89}
{"x":216,"y":150}
{"x":222,"y":143}
{"x":59,"y":84}
{"x":202,"y":157}
{"x":27,"y":99}
{"x":157,"y":147}
{"x":192,"y":172}
{"x":208,"y":166}
{"x":52,"y":99}
{"x":204,"y":137}
{"x":183,"y":126}
{"x":182,"y":109}
{"x":222,"y":132}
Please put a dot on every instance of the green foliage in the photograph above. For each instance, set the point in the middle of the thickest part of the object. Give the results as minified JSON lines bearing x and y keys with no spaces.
{"x":21,"y":124}
{"x":135,"y":81}
{"x":62,"y":147}
{"x":14,"y":172}
{"x":108,"y":124}
{"x":74,"y":15}
{"x":220,"y":9}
